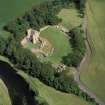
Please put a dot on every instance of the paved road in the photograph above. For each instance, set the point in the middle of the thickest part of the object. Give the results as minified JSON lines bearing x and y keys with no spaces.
{"x":84,"y":64}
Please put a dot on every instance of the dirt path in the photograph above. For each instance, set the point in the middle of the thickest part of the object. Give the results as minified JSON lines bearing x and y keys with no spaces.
{"x":85,"y":63}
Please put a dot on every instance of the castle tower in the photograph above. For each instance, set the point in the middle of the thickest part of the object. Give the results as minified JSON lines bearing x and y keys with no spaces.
{"x":33,"y":35}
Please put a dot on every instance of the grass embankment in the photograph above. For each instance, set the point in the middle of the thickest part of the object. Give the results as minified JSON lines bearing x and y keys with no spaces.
{"x":4,"y":96}
{"x":94,"y":75}
{"x":70,"y":18}
{"x":52,"y":96}
{"x":60,"y":43}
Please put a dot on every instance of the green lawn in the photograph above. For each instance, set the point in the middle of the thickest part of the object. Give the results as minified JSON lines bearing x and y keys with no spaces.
{"x":4,"y":96}
{"x":70,"y":18}
{"x":52,"y":96}
{"x":94,"y":75}
{"x":59,"y":41}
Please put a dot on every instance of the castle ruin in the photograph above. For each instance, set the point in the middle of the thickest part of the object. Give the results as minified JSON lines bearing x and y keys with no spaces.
{"x":33,"y":36}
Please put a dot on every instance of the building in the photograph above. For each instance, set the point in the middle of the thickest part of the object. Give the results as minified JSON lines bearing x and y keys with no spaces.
{"x":33,"y":36}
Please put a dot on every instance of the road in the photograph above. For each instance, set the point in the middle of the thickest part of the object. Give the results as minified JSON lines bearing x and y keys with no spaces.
{"x":85,"y":63}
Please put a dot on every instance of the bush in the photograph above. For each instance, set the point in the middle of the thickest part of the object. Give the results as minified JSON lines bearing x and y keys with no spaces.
{"x":78,"y":46}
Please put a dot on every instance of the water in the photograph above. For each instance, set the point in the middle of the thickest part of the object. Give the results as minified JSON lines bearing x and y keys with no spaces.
{"x":18,"y":88}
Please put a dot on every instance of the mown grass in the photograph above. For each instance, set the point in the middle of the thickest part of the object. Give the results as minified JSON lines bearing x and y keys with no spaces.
{"x":4,"y":95}
{"x":94,"y":75}
{"x":70,"y":18}
{"x":60,"y":43}
{"x":52,"y":96}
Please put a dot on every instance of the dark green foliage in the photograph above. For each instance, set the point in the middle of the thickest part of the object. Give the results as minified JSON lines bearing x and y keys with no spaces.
{"x":39,"y":16}
{"x":3,"y":45}
{"x":78,"y":45}
{"x":73,"y":59}
{"x":77,"y":40}
{"x":80,"y":4}
{"x":65,"y":83}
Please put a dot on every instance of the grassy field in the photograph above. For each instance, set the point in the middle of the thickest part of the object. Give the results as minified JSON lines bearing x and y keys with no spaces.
{"x":59,"y":41}
{"x":4,"y":96}
{"x":11,"y":9}
{"x":52,"y":96}
{"x":94,"y":75}
{"x":70,"y":18}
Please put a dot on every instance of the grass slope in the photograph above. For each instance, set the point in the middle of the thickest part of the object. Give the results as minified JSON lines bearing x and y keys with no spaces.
{"x":70,"y":18}
{"x":52,"y":96}
{"x":94,"y":75}
{"x":4,"y":96}
{"x":59,"y":41}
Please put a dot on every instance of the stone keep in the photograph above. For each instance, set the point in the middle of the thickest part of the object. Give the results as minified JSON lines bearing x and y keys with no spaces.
{"x":33,"y":35}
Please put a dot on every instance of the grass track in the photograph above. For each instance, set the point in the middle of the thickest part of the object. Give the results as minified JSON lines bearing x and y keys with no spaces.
{"x":94,"y":75}
{"x":4,"y":96}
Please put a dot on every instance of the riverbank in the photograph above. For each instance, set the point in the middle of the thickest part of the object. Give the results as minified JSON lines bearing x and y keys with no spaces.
{"x":48,"y":93}
{"x":19,"y":90}
{"x":4,"y":94}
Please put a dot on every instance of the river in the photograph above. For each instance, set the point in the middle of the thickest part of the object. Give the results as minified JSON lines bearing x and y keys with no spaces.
{"x":18,"y":88}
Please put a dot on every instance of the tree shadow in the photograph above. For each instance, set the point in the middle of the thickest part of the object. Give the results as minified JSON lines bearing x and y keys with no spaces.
{"x":19,"y":90}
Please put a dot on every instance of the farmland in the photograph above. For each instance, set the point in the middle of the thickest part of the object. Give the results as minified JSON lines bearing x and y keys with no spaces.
{"x":9,"y":10}
{"x":94,"y":74}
